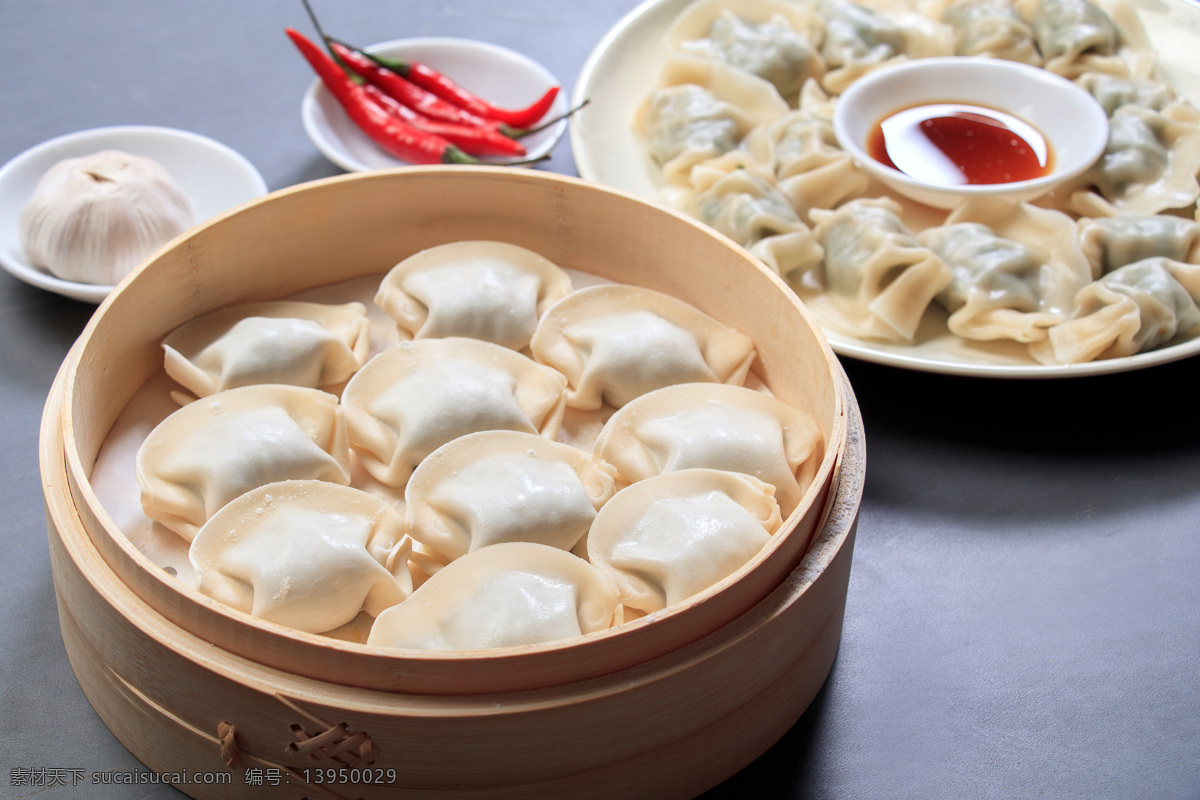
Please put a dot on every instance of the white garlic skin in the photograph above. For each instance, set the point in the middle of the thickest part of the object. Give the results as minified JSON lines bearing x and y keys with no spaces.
{"x":94,"y":218}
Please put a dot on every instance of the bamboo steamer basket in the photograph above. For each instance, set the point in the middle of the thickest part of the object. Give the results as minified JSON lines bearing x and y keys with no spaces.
{"x":668,"y":705}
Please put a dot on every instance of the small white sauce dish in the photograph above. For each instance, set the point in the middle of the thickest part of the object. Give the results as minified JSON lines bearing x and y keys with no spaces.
{"x":1070,"y":119}
{"x":500,"y":76}
{"x":215,"y":177}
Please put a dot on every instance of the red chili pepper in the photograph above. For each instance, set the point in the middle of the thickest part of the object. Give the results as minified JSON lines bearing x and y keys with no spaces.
{"x":391,"y":133}
{"x":430,"y":79}
{"x":474,"y":140}
{"x":407,"y":92}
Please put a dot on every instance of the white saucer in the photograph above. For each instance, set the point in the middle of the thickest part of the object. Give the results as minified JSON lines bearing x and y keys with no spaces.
{"x":501,"y":76}
{"x":215,"y":177}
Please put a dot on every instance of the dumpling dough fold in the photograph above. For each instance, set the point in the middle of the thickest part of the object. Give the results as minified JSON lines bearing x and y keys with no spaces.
{"x":301,"y":344}
{"x":506,"y":595}
{"x":413,"y":398}
{"x":306,"y":554}
{"x":215,"y":449}
{"x":617,"y":342}
{"x":670,"y":537}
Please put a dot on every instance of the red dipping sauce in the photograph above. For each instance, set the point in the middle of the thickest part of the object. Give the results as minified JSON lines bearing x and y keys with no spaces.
{"x":953,"y":144}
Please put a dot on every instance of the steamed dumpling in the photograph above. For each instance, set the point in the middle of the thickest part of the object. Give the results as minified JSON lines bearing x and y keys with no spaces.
{"x":410,"y":400}
{"x":215,"y":449}
{"x":301,"y":344}
{"x":486,"y":290}
{"x":502,"y":486}
{"x":615,"y":343}
{"x":670,"y":537}
{"x":506,"y":595}
{"x":306,"y":554}
{"x":715,"y":426}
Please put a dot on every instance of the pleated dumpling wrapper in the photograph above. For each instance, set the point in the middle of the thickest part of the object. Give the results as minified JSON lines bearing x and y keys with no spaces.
{"x":876,"y":280}
{"x":301,"y":344}
{"x":503,"y":486}
{"x":413,"y":398}
{"x":487,"y":290}
{"x":212,"y":450}
{"x":672,"y":536}
{"x":714,"y":426}
{"x":506,"y":595}
{"x":618,"y":342}
{"x":1138,"y":307}
{"x":306,"y":554}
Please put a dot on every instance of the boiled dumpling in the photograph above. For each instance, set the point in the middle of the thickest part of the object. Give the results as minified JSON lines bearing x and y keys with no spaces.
{"x":301,"y":344}
{"x":1016,"y":269}
{"x":215,"y":449}
{"x":503,"y":486}
{"x":411,"y":399}
{"x":776,"y":41}
{"x":991,"y":28}
{"x":808,"y":165}
{"x":306,"y":554}
{"x":1135,"y":308}
{"x":670,"y":537}
{"x":700,"y":110}
{"x":708,"y":425}
{"x":857,"y":41}
{"x":486,"y":290}
{"x":749,"y":209}
{"x":1112,"y":242}
{"x":615,"y":343}
{"x":506,"y":595}
{"x":1114,"y":91}
{"x":1066,"y":30}
{"x":877,"y":279}
{"x":1150,"y":163}
{"x":1078,"y":36}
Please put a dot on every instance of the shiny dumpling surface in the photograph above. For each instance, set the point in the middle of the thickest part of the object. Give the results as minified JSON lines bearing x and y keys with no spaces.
{"x":413,"y":398}
{"x":506,"y":595}
{"x":306,"y":554}
{"x":214,"y":449}
{"x":297,"y":343}
{"x":615,"y":343}
{"x":494,"y":291}
{"x":670,"y":537}
{"x":501,"y":486}
{"x":715,"y":426}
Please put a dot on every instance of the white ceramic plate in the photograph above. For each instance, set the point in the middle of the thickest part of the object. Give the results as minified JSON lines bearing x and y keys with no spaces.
{"x":215,"y":177}
{"x":624,"y":67}
{"x":501,"y":76}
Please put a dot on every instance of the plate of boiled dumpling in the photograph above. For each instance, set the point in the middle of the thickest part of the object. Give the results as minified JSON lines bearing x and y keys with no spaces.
{"x":723,"y":109}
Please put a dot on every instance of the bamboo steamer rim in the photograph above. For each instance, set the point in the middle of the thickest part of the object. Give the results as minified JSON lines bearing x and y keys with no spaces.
{"x":93,"y":353}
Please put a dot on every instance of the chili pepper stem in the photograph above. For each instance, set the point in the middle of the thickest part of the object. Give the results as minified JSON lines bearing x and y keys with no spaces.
{"x":517,"y":133}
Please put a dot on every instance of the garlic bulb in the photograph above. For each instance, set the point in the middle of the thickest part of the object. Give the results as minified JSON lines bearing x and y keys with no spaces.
{"x":93,"y":219}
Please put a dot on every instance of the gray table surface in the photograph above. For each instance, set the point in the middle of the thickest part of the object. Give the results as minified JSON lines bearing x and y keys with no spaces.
{"x":1023,"y":617}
